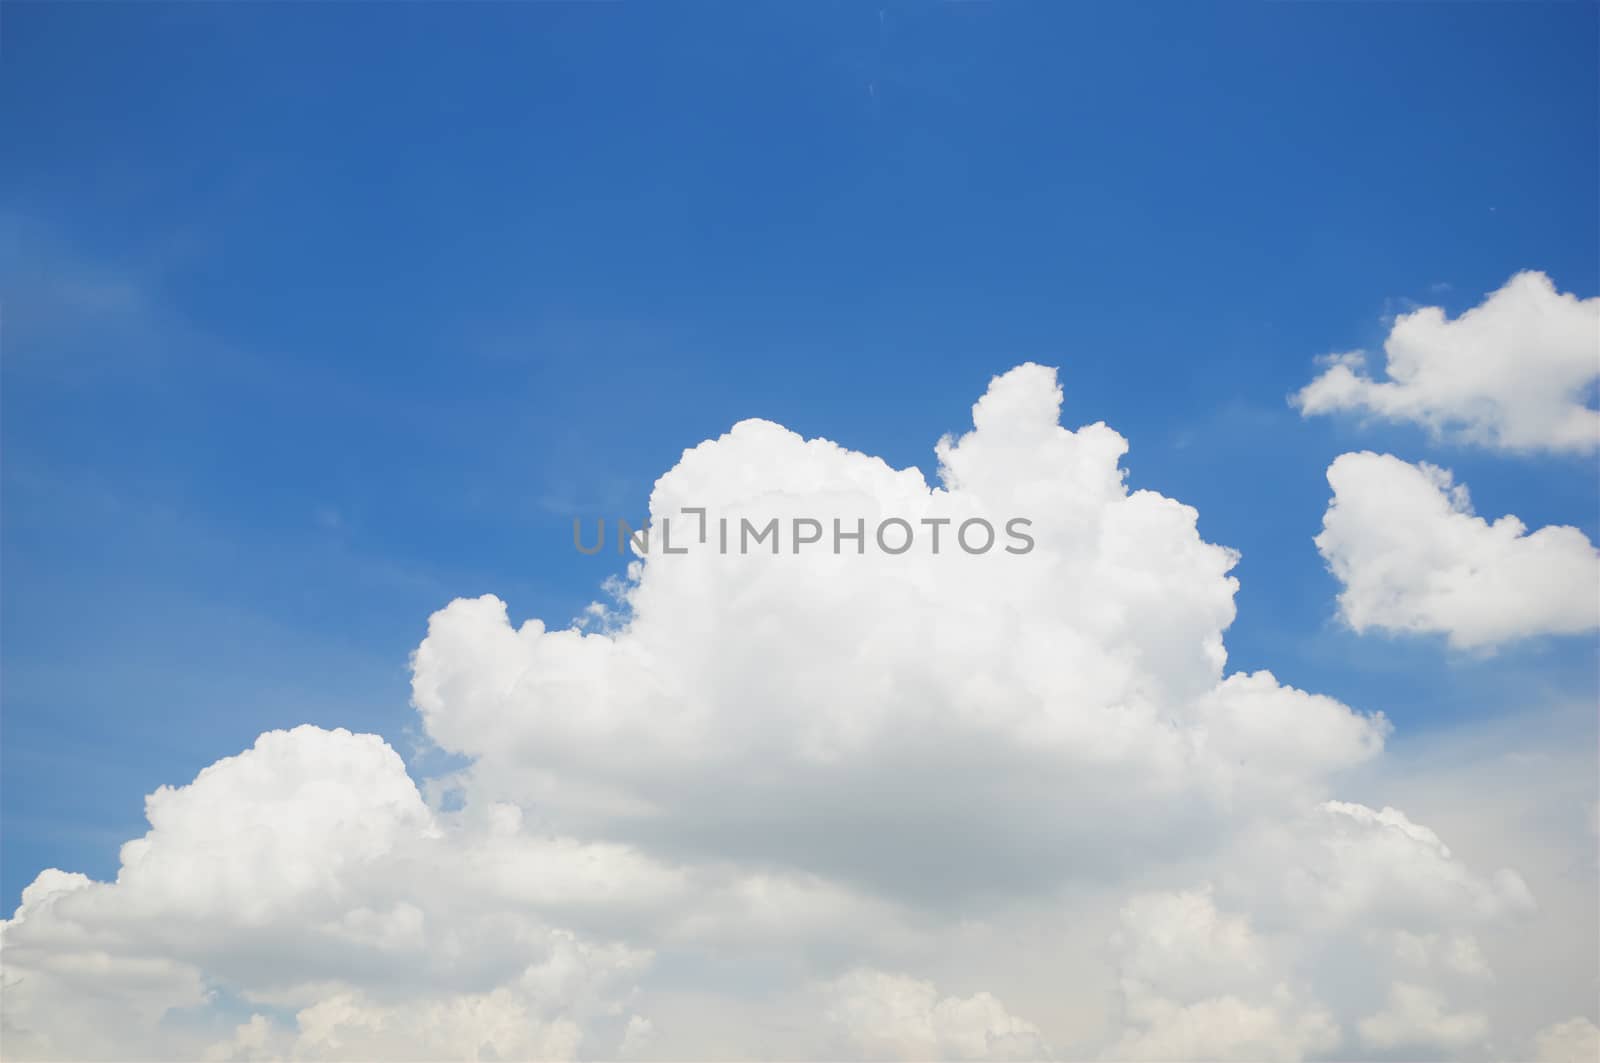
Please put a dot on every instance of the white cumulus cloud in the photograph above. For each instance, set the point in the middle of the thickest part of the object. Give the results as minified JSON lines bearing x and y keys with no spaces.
{"x":1514,"y":373}
{"x":805,"y":805}
{"x":1417,"y":1017}
{"x":1412,"y":556}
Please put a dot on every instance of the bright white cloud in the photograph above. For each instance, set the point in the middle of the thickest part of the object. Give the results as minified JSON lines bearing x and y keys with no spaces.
{"x":1514,"y":373}
{"x":923,"y":698}
{"x":306,"y":874}
{"x":805,"y":805}
{"x":1412,"y":556}
{"x":1248,"y":967}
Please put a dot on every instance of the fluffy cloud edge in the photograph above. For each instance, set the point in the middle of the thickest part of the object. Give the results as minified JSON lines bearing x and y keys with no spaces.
{"x":1511,"y":374}
{"x":1411,"y":556}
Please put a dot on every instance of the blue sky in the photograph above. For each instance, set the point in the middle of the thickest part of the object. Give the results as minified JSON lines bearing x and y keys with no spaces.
{"x":320,"y":316}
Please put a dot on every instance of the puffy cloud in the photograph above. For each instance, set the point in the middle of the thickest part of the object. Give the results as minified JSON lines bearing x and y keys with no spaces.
{"x":1377,"y":867}
{"x":1412,"y":556}
{"x":636,"y":1037}
{"x":308,"y":874}
{"x":1332,"y":891}
{"x":1513,"y":373}
{"x":1197,"y":983}
{"x":886,"y":1016}
{"x":1573,"y":1041}
{"x":1417,"y":1017}
{"x":748,"y":702}
{"x":708,"y":823}
{"x":1516,"y":790}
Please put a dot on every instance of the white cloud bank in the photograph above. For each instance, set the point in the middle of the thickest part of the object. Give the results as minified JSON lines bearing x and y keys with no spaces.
{"x":1411,"y":555}
{"x":1514,"y":373}
{"x":813,"y":806}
